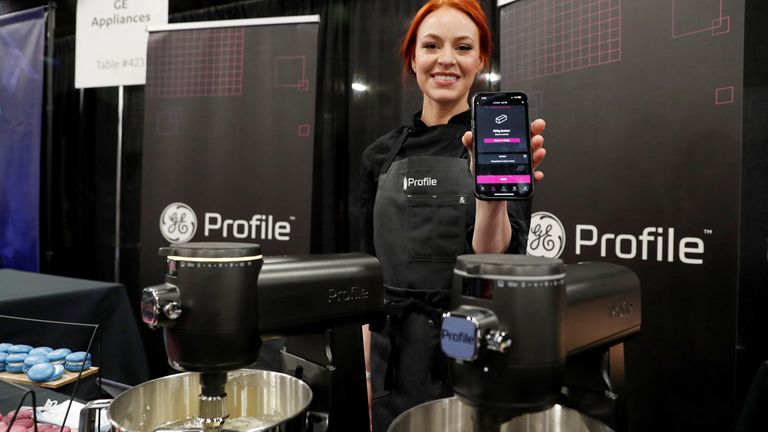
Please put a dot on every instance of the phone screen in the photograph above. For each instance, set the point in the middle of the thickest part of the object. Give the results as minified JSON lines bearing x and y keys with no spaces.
{"x":501,"y":135}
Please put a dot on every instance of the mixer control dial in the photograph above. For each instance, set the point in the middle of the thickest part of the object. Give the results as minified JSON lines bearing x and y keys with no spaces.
{"x":161,"y":305}
{"x":497,"y":340}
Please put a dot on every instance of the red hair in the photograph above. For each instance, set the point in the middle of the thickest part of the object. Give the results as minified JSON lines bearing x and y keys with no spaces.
{"x":471,"y":8}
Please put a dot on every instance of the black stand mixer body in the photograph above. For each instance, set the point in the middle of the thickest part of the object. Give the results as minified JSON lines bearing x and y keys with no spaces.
{"x":518,"y":326}
{"x":219,"y":301}
{"x":513,"y":313}
{"x":212,"y":289}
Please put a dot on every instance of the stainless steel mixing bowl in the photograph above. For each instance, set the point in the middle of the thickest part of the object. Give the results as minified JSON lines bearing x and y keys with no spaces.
{"x":451,"y":415}
{"x":279,"y":402}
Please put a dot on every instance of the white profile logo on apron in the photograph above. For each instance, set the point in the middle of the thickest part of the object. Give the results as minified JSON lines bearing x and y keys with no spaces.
{"x":426,"y":181}
{"x":546,"y":237}
{"x":178,"y":223}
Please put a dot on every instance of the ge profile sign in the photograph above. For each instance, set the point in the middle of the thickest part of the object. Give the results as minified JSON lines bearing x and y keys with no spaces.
{"x":178,"y":223}
{"x":546,"y":237}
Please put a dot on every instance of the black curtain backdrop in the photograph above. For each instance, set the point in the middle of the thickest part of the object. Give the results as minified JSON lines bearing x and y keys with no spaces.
{"x":358,"y":41}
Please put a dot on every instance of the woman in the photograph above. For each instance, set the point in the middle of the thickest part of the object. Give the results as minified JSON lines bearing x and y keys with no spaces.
{"x":418,"y":208}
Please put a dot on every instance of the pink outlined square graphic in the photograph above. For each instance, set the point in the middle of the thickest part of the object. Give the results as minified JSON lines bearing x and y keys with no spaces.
{"x":290,"y":72}
{"x":691,"y":17}
{"x":721,"y":26}
{"x":725,"y":95}
{"x":304,"y":130}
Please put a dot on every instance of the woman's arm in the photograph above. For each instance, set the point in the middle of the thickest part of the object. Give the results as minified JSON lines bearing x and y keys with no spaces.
{"x":493,"y":231}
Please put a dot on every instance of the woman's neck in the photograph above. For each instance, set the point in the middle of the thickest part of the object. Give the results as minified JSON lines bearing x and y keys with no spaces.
{"x":433,"y":113}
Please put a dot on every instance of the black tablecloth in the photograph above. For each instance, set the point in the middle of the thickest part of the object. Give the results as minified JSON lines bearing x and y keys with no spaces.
{"x":121,"y":357}
{"x":10,"y":397}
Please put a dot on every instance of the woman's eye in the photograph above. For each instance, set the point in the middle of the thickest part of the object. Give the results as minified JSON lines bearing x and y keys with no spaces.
{"x":465,"y":47}
{"x":430,"y":45}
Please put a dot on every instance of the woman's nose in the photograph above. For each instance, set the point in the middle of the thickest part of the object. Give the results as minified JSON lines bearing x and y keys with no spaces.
{"x":445,"y":57}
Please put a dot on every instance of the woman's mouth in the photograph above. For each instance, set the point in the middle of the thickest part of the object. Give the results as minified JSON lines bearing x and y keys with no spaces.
{"x":445,"y":77}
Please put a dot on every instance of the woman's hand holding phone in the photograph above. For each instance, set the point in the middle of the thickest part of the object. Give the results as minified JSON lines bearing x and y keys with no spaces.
{"x":537,"y":147}
{"x":503,"y":149}
{"x":492,"y":230}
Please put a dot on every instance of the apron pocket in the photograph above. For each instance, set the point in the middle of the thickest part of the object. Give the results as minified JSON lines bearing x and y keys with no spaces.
{"x":435,"y":227}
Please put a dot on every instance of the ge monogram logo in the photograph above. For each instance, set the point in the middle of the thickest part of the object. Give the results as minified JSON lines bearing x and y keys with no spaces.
{"x":178,"y":223}
{"x":546,"y":237}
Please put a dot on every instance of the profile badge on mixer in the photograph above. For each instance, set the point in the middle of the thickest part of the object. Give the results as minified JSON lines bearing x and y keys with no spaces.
{"x":459,"y":337}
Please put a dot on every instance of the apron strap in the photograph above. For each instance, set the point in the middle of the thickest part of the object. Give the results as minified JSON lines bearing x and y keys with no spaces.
{"x":394,"y":150}
{"x":398,"y":313}
{"x":401,"y":308}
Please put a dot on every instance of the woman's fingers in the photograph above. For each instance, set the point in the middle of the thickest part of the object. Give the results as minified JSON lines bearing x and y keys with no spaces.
{"x":537,"y":127}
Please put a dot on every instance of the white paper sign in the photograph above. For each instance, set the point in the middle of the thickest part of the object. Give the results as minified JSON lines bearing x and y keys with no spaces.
{"x":111,"y":40}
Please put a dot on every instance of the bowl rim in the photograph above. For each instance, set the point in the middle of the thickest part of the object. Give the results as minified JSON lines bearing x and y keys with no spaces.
{"x":239,"y":372}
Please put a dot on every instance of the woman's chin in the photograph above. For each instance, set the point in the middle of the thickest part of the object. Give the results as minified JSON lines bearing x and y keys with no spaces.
{"x":447,"y":96}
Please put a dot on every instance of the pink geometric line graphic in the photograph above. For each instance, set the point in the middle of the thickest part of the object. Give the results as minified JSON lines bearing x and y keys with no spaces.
{"x":290,"y":71}
{"x":204,"y":62}
{"x":304,"y":130}
{"x":551,"y":37}
{"x":725,"y":95}
{"x":698,"y":16}
{"x":535,"y":104}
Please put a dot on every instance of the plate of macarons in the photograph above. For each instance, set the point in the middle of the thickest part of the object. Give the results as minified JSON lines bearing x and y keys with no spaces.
{"x":42,"y":364}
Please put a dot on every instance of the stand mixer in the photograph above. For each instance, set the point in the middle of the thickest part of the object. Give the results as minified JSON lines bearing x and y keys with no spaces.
{"x":218,"y":302}
{"x":518,"y":335}
{"x":189,"y":305}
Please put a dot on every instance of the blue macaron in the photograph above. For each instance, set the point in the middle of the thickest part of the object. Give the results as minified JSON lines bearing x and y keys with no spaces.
{"x":3,"y":356}
{"x":19,"y":349}
{"x":4,"y":346}
{"x":58,"y":372}
{"x":34,"y":359}
{"x":41,"y":372}
{"x":78,"y":361}
{"x":14,"y":363}
{"x":40,"y":350}
{"x":58,"y":356}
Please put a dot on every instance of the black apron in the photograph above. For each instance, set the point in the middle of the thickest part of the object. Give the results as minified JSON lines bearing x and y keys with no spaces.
{"x":420,"y":219}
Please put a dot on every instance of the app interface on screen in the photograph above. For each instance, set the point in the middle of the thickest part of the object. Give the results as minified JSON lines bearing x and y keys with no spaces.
{"x":502,"y":165}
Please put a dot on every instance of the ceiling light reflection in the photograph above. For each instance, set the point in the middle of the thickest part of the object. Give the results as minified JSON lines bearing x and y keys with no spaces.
{"x":491,"y":77}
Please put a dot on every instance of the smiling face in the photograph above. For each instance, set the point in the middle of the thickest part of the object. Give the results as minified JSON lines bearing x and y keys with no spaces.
{"x":446,"y":59}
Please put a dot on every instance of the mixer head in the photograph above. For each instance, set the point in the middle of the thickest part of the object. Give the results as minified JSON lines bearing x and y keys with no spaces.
{"x":207,"y":308}
{"x":505,"y":335}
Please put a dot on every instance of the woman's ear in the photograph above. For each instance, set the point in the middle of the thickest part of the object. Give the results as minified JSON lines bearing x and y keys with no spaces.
{"x":413,"y":64}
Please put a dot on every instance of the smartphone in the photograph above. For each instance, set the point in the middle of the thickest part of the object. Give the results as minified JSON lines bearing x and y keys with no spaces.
{"x":502,"y":146}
